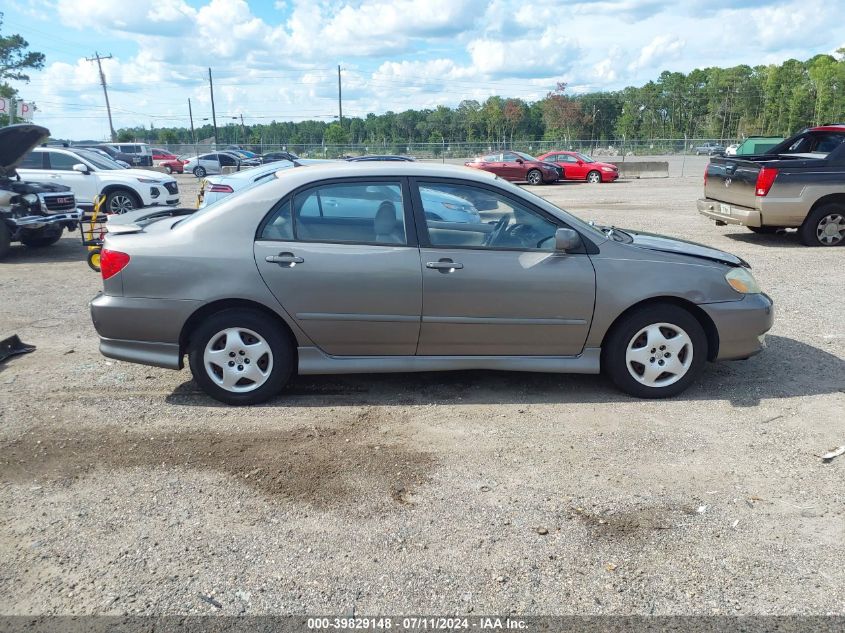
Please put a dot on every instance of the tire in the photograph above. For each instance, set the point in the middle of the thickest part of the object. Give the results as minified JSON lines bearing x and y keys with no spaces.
{"x":824,"y":226}
{"x":121,"y":201}
{"x":42,"y":238}
{"x":168,"y":169}
{"x":93,"y":260}
{"x":199,"y":172}
{"x":628,"y":341}
{"x":5,"y":240}
{"x":534,"y":177}
{"x":594,"y":177}
{"x":264,"y":370}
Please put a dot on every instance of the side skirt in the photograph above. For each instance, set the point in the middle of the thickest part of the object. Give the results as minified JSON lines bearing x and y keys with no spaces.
{"x":315,"y":361}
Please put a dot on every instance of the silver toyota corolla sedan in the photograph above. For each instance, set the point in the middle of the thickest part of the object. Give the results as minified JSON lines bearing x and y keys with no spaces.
{"x":343,"y":268}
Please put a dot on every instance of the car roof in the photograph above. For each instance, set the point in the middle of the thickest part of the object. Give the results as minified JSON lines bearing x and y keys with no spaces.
{"x":375,"y":169}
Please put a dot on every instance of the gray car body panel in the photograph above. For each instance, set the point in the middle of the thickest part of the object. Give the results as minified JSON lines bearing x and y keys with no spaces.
{"x":360,"y":307}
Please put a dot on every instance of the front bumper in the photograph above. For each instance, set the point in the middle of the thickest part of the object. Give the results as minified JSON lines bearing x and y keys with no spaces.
{"x":725,"y":213}
{"x":39,"y":221}
{"x":609,"y":176}
{"x":741,"y":325}
{"x":141,"y":330}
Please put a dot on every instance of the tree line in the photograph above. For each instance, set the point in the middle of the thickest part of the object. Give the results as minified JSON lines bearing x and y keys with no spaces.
{"x":711,"y":103}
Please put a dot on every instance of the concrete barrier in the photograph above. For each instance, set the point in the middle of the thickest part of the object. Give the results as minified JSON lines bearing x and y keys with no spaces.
{"x":643,"y":169}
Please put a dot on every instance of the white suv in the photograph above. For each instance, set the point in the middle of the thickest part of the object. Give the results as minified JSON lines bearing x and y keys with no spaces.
{"x":90,"y":174}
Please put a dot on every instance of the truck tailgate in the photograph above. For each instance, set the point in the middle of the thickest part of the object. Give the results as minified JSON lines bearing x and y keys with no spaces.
{"x":732,"y":180}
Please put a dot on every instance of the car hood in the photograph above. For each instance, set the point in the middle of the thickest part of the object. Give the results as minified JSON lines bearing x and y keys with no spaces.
{"x":15,"y":142}
{"x":600,"y":165}
{"x":665,"y":244}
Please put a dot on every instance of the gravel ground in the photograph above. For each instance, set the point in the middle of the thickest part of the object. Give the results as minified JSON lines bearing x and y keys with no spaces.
{"x":124,"y":490}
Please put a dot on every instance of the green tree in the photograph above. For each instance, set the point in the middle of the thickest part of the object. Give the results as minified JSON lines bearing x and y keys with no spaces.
{"x":14,"y":60}
{"x":335,"y":135}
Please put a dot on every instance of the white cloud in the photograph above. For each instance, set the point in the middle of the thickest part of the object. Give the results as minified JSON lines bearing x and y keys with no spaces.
{"x":660,"y":50}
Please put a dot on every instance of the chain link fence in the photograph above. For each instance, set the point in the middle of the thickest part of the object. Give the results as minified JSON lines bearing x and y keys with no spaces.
{"x":619,"y":149}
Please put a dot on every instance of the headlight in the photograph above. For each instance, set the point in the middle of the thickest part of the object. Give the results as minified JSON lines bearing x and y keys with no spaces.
{"x":30,"y":198}
{"x":741,"y":280}
{"x":607,"y":168}
{"x":148,"y":180}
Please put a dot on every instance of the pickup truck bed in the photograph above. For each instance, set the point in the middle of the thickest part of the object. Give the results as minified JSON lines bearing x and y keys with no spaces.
{"x":786,"y":187}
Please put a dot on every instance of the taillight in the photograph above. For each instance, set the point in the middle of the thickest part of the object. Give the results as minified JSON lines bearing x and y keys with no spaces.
{"x":765,"y":180}
{"x":221,"y":188}
{"x":112,"y":262}
{"x":705,"y":175}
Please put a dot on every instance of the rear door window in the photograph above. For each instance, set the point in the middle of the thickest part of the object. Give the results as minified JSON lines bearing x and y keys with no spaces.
{"x":359,"y":212}
{"x":33,"y":160}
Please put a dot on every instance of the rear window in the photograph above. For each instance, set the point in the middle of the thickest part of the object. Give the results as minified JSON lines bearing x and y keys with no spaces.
{"x":821,"y":143}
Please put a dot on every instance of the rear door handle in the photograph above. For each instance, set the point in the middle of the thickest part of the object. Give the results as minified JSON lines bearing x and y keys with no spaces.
{"x":444,"y":265}
{"x":286,"y":259}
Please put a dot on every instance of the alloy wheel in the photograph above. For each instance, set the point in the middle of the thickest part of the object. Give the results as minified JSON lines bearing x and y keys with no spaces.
{"x":659,"y":355}
{"x":121,"y":203}
{"x":534,"y":178}
{"x":593,"y":177}
{"x":238,"y":360}
{"x":830,"y":230}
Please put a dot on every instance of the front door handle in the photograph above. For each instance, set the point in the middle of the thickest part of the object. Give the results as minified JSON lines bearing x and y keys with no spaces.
{"x":285,"y":259}
{"x":444,"y":265}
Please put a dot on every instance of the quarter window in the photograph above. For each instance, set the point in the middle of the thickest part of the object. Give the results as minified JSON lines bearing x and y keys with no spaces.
{"x":469,"y":216}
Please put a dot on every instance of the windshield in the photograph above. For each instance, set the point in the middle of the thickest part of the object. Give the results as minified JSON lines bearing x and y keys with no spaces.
{"x":584,"y":157}
{"x":98,"y":160}
{"x":525,"y":156}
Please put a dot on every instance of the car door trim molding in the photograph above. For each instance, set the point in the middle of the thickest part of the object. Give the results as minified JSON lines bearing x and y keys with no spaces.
{"x":342,"y":316}
{"x":501,"y":321}
{"x":314,"y":361}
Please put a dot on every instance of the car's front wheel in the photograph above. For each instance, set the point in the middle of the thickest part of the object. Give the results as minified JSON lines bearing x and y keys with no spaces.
{"x":42,"y":238}
{"x":655,"y":352}
{"x":534,"y":177}
{"x":824,"y":226}
{"x":594,"y":177}
{"x":121,"y":201}
{"x":241,"y":357}
{"x":168,"y":169}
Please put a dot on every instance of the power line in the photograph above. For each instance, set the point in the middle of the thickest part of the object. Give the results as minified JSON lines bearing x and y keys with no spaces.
{"x":105,"y":90}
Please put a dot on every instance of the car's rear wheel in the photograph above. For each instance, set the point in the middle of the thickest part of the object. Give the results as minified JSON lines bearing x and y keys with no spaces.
{"x":824,"y":226}
{"x":655,"y":352}
{"x":121,"y":201}
{"x":199,"y":172}
{"x":241,"y":357}
{"x":42,"y":238}
{"x":594,"y":177}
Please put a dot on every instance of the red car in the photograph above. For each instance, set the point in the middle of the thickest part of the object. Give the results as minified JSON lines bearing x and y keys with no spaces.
{"x":174,"y":166}
{"x":577,"y":166}
{"x":518,"y":167}
{"x":161,"y":154}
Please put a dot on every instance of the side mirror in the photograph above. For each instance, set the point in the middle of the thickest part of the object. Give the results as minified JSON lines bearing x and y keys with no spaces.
{"x":520,"y":161}
{"x":580,"y":162}
{"x":566,"y":240}
{"x":81,"y":168}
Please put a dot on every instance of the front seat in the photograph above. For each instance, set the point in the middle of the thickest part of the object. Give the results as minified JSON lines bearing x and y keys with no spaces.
{"x":386,"y":226}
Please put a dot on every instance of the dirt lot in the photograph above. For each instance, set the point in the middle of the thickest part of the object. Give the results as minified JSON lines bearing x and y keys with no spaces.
{"x":124,"y":490}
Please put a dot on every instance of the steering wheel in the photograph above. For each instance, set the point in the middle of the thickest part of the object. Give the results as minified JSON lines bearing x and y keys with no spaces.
{"x":498,"y":230}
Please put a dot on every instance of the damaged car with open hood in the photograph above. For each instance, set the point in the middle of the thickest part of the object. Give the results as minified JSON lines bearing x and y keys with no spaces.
{"x":34,"y":214}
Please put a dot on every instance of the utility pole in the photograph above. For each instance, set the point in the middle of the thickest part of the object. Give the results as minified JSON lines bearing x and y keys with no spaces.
{"x":339,"y":99}
{"x":191,"y":116}
{"x":99,"y":59}
{"x":243,"y":129}
{"x":213,"y":113}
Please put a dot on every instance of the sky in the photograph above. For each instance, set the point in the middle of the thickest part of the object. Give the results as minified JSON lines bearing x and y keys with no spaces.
{"x":277,"y":60}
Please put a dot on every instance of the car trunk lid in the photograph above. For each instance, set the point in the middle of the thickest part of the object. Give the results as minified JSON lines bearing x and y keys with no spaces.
{"x":732,"y":181}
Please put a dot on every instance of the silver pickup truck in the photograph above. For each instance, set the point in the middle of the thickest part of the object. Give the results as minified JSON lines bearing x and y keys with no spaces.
{"x":799,"y":183}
